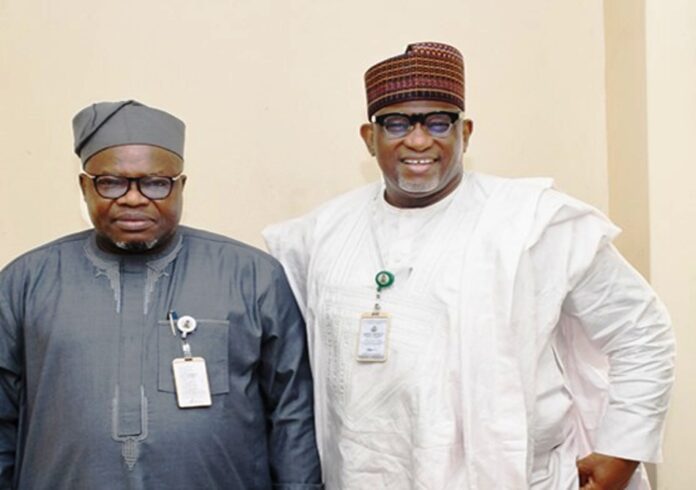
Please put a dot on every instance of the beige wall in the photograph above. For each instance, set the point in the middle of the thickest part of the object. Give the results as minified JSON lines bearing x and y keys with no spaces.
{"x":272,"y":95}
{"x":627,"y":148}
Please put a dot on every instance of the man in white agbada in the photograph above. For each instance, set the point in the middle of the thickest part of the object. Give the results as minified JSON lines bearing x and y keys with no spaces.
{"x":467,"y":331}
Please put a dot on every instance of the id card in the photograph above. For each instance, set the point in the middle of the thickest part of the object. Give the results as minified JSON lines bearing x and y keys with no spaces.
{"x":373,"y":337}
{"x":191,"y":382}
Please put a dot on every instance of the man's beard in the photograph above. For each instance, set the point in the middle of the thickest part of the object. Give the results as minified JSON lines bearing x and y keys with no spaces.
{"x":428,"y":185}
{"x":137,"y":246}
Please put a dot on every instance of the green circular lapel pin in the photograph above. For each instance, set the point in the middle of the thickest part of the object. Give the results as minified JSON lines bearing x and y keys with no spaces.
{"x":384,"y":279}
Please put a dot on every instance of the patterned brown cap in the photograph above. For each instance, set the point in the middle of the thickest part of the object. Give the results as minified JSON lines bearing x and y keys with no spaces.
{"x":430,"y":71}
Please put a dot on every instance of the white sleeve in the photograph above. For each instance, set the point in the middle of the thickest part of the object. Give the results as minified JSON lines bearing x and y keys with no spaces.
{"x":622,"y":316}
{"x":291,"y":243}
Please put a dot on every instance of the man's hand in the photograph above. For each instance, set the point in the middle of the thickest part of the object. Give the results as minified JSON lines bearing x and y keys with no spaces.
{"x":600,"y":472}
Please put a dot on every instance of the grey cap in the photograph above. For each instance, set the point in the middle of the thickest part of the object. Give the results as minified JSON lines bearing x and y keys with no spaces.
{"x":106,"y":124}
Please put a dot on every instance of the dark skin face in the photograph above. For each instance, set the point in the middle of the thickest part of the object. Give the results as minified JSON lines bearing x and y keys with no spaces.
{"x":133,"y":223}
{"x":418,"y":169}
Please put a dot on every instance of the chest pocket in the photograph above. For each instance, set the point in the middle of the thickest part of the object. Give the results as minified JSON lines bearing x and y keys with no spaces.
{"x":209,"y":341}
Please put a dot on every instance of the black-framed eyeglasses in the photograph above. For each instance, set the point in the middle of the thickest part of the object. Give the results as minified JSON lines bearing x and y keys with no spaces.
{"x":153,"y":187}
{"x":438,"y":124}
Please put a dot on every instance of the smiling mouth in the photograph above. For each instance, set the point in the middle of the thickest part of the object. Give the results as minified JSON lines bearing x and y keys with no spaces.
{"x":418,"y":166}
{"x":418,"y":161}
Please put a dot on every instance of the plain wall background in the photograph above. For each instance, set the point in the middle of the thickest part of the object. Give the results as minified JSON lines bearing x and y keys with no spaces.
{"x":272,"y":94}
{"x":598,"y":95}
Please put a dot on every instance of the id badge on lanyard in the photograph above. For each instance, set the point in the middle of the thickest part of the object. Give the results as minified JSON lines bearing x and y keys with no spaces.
{"x":373,"y":337}
{"x":373,"y":331}
{"x":190,"y":373}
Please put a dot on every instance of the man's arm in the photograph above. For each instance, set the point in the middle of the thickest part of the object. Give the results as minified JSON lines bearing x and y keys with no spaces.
{"x":623,"y":317}
{"x":286,"y":383}
{"x":10,"y":391}
{"x":291,"y":243}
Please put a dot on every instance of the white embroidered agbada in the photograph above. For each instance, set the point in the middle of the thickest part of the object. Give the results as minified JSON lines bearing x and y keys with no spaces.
{"x":508,"y":308}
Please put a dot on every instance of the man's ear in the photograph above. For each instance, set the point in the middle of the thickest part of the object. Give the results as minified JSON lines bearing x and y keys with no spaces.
{"x":83,"y":182}
{"x":367,"y":132}
{"x":467,"y":129}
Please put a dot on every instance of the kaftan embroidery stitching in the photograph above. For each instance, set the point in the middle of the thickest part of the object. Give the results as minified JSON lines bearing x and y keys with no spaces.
{"x":332,"y":337}
{"x":155,"y":270}
{"x":108,"y":269}
{"x":130,"y":449}
{"x":150,"y":282}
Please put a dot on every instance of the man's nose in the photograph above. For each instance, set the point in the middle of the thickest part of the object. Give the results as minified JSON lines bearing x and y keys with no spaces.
{"x":133,"y":197}
{"x":419,"y":138}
